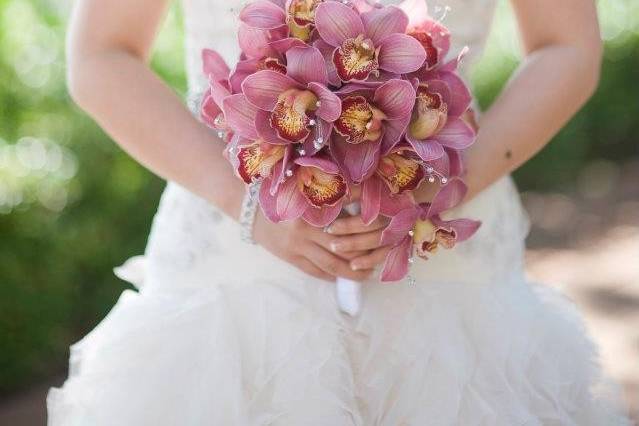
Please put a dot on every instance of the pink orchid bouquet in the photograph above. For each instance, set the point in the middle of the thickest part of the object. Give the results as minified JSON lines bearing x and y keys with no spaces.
{"x":328,"y":95}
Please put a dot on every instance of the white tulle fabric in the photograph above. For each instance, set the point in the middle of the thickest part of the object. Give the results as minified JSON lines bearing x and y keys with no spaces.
{"x":224,"y":333}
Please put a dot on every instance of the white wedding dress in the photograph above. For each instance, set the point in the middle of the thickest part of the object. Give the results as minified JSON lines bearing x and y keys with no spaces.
{"x":224,"y":333}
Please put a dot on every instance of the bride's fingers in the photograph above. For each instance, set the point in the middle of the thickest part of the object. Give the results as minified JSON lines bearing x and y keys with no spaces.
{"x":356,"y":242}
{"x":354,"y":225}
{"x":334,"y":265}
{"x":307,"y":266}
{"x":370,"y":261}
{"x":327,"y":241}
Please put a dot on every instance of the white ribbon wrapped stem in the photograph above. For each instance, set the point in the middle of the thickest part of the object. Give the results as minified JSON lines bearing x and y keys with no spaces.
{"x":349,"y":292}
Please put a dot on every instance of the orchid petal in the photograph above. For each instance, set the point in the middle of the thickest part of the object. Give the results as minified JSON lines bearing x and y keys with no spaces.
{"x":401,"y":54}
{"x":319,"y":162}
{"x":219,"y":91}
{"x":264,"y":87}
{"x":253,"y":42}
{"x":427,"y":150}
{"x":209,"y":110}
{"x":371,"y":199}
{"x":393,"y":131}
{"x":392,"y":204}
{"x":456,"y":135}
{"x":309,"y":145}
{"x":336,"y":22}
{"x":357,"y":160}
{"x":279,"y":171}
{"x":464,"y":228}
{"x":291,"y":203}
{"x":240,"y":115}
{"x":442,"y":89}
{"x":214,"y":65}
{"x":459,"y":94}
{"x":448,"y":197}
{"x":327,"y":53}
{"x":323,"y":216}
{"x":351,"y":88}
{"x":263,"y":14}
{"x":242,"y":70}
{"x":399,"y":227}
{"x":396,"y":98}
{"x":396,"y":263}
{"x":379,"y":23}
{"x":268,"y":202}
{"x":456,"y":162}
{"x":441,"y":165}
{"x":282,"y":46}
{"x":306,"y":65}
{"x":330,"y":105}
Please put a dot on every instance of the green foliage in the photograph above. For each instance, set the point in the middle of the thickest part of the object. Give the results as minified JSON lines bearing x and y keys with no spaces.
{"x":73,"y":205}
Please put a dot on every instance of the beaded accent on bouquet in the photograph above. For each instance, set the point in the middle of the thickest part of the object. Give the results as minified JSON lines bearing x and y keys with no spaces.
{"x":329,"y":95}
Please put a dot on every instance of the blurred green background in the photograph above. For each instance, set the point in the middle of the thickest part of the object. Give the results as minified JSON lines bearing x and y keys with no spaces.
{"x":73,"y":205}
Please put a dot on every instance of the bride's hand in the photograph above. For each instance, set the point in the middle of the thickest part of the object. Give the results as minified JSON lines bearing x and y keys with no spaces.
{"x":311,"y":249}
{"x":350,"y":235}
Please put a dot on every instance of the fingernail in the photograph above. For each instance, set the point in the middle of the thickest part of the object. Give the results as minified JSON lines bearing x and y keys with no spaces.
{"x":330,"y":230}
{"x":355,"y":266}
{"x":335,"y":246}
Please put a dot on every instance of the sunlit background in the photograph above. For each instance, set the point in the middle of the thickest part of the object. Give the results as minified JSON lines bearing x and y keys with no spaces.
{"x":72,"y":205}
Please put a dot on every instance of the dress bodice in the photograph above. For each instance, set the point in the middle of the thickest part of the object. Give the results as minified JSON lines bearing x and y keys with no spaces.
{"x":213,"y":24}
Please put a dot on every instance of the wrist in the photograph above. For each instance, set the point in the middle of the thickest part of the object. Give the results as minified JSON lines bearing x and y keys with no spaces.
{"x":248,"y":212}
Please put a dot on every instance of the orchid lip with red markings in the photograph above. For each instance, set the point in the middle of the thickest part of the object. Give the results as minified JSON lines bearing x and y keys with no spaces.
{"x":356,"y":59}
{"x":256,"y":160}
{"x":359,"y":121}
{"x":301,"y":18}
{"x":430,"y":113}
{"x":401,"y":171}
{"x":291,"y":116}
{"x":320,"y":188}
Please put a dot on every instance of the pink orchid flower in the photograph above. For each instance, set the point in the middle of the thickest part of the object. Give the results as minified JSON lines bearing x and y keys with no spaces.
{"x":257,"y":160}
{"x":432,"y":35}
{"x":290,"y":107}
{"x":363,"y":45}
{"x":217,"y":71}
{"x":436,"y":122}
{"x":421,"y":230}
{"x":388,"y":190}
{"x":313,"y":189}
{"x":296,"y":17}
{"x":371,"y":122}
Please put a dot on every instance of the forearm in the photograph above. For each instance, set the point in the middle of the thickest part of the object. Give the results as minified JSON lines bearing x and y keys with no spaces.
{"x":551,"y":84}
{"x":151,"y":123}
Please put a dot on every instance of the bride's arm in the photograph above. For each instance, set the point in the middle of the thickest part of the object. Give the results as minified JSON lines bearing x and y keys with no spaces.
{"x":108,"y":76}
{"x":559,"y":72}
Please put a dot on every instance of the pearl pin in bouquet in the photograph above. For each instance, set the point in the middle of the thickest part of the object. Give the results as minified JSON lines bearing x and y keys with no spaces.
{"x":328,"y":95}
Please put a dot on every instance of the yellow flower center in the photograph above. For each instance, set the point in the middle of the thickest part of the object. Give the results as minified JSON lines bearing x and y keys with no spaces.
{"x":359,"y":121}
{"x":429,"y":114}
{"x":319,"y":187}
{"x":289,"y":118}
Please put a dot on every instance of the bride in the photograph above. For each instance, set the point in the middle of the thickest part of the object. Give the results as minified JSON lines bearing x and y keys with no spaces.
{"x":221,"y":332}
